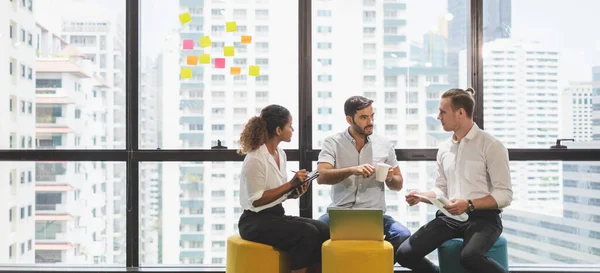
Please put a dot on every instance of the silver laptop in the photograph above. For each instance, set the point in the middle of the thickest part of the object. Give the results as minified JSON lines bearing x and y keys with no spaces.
{"x":356,"y":224}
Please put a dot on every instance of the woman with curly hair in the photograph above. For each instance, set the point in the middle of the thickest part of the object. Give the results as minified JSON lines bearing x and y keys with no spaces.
{"x":264,"y":186}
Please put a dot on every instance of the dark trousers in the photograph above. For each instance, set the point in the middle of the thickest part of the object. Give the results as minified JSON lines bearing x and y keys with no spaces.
{"x":302,"y":238}
{"x":480,"y":233}
{"x":394,"y":232}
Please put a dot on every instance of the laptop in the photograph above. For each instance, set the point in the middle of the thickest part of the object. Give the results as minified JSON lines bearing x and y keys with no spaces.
{"x":356,"y":224}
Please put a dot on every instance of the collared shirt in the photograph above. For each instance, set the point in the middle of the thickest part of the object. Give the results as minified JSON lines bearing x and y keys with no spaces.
{"x":259,"y":174}
{"x":356,"y":191}
{"x":475,"y":167}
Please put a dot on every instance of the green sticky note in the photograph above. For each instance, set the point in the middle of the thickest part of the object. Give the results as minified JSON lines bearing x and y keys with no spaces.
{"x":204,"y":58}
{"x":228,"y":51}
{"x":254,"y":70}
{"x":205,"y":42}
{"x":231,"y":26}
{"x":185,"y":18}
{"x":186,"y":73}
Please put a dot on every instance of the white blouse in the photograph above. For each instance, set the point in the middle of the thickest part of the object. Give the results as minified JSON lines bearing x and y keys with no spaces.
{"x":260,"y":173}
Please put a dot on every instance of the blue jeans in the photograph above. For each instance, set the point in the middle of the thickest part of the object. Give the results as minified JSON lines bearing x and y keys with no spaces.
{"x":395,"y":233}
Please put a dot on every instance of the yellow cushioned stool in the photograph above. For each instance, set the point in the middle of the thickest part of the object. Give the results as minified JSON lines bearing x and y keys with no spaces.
{"x":349,"y":256}
{"x":250,"y":257}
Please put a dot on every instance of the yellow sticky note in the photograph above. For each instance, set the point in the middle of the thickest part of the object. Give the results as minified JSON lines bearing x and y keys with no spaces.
{"x":228,"y":51}
{"x":235,"y":70}
{"x":192,"y":60}
{"x":254,"y":70}
{"x":205,"y":42}
{"x":246,"y":39}
{"x":185,"y":18}
{"x":186,"y":73}
{"x":205,"y":58}
{"x":231,"y":26}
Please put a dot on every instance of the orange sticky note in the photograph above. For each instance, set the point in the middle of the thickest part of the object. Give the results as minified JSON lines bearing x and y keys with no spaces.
{"x":234,"y":70}
{"x":228,"y":51}
{"x":205,"y":41}
{"x":205,"y":58}
{"x":185,"y":18}
{"x":186,"y":73}
{"x":246,"y":39}
{"x":254,"y":70}
{"x":230,"y":26}
{"x":192,"y":60}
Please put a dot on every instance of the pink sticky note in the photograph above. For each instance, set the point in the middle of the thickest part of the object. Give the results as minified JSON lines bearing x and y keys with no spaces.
{"x":219,"y":62}
{"x":188,"y":44}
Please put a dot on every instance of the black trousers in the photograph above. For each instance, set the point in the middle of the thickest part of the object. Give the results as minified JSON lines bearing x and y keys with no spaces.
{"x":301,"y":237}
{"x":480,"y":233}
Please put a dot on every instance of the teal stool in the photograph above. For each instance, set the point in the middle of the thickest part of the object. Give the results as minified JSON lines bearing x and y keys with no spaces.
{"x":449,"y":255}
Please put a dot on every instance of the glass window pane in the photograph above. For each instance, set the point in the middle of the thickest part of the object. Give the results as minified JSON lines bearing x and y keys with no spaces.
{"x":185,"y":109}
{"x":57,"y":83}
{"x":539,"y":87}
{"x":404,"y":57}
{"x":70,"y":213}
{"x":552,"y":220}
{"x":187,"y":220}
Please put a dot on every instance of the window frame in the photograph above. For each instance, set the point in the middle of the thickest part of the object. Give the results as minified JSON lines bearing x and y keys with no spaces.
{"x":306,"y":153}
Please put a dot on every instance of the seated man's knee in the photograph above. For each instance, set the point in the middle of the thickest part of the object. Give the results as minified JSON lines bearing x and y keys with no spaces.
{"x":324,"y":218}
{"x":470,"y":258}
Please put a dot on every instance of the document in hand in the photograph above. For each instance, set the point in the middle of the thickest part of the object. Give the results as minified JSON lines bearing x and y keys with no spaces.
{"x":440,"y":201}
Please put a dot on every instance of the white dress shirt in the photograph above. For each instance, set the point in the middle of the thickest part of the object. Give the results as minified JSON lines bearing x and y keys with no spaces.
{"x":475,"y":167}
{"x":260,"y":173}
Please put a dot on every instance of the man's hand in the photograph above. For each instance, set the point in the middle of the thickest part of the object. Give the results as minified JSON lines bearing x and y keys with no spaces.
{"x":390,"y":175}
{"x":365,"y":170}
{"x":411,"y":199}
{"x":457,"y":207}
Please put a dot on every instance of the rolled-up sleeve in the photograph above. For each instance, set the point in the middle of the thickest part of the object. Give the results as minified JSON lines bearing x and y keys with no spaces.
{"x":441,"y":183}
{"x":327,"y":154}
{"x":392,"y":160}
{"x":499,"y":171}
{"x":256,"y":178}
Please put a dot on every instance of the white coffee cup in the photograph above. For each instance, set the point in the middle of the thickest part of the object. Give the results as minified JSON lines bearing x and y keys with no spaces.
{"x":381,"y":171}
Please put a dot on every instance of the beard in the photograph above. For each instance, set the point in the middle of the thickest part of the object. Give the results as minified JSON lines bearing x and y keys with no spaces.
{"x":362,"y":131}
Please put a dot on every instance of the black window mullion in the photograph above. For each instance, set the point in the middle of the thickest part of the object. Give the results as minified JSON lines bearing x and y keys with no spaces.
{"x":305,"y":97}
{"x":474,"y":57}
{"x":132,"y":133}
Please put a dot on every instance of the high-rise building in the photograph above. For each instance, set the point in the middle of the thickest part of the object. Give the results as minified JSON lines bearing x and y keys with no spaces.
{"x":577,"y":111}
{"x":596,"y":103}
{"x":17,"y":130}
{"x":497,"y":23}
{"x":522,"y":105}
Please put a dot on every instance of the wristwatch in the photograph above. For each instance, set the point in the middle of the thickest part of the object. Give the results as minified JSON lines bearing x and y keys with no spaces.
{"x":471,"y":207}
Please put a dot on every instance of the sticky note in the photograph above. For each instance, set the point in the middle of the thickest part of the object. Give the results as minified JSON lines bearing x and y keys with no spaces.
{"x":186,"y":73}
{"x":192,"y":60}
{"x":246,"y":39}
{"x":205,"y":41}
{"x":228,"y":51}
{"x":235,"y":70}
{"x":231,"y":26}
{"x":188,"y":44}
{"x":219,"y":62}
{"x":185,"y":18}
{"x":204,"y":58}
{"x":254,"y":70}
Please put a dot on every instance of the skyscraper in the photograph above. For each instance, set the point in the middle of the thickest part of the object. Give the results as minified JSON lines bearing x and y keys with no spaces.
{"x":497,"y":22}
{"x":17,"y":130}
{"x":577,"y":111}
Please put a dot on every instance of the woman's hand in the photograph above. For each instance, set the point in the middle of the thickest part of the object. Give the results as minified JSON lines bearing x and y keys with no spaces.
{"x":299,"y":177}
{"x":299,"y":191}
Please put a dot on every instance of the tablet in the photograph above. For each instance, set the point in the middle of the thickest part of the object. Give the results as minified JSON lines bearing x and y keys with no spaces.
{"x":310,"y":177}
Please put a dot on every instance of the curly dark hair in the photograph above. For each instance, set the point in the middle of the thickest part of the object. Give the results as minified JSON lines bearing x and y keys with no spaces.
{"x":262,"y":128}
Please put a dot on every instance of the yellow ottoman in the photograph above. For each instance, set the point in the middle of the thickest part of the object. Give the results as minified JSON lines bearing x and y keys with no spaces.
{"x":348,"y":256}
{"x":250,"y":257}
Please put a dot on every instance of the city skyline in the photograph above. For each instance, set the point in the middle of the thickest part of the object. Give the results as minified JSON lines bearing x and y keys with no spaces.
{"x":187,"y":209}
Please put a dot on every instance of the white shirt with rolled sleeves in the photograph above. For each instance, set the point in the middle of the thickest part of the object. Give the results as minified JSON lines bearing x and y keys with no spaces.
{"x":474,"y":168}
{"x":356,"y":191}
{"x":259,"y":174}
